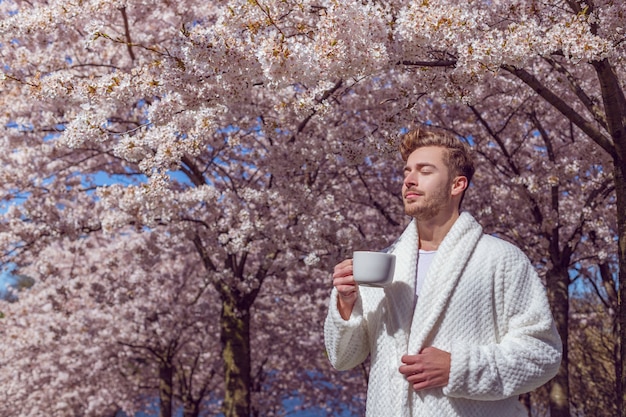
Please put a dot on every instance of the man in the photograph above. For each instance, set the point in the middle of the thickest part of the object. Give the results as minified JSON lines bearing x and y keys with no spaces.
{"x":465,"y":326}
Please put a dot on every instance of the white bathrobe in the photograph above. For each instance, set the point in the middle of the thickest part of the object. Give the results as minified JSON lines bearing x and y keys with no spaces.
{"x":482,"y":302}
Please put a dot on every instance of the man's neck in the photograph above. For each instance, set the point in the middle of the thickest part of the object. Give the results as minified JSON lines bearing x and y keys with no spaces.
{"x":432,"y":232}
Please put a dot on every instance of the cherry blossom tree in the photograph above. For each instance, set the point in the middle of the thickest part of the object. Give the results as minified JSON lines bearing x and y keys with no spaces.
{"x":259,"y":136}
{"x":550,"y":193}
{"x":146,"y":313}
{"x":110,"y":324}
{"x":253,"y":202}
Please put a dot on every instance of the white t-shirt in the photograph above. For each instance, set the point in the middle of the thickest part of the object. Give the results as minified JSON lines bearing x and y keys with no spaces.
{"x":424,"y":259}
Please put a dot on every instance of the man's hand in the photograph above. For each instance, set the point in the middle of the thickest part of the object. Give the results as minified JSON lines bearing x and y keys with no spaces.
{"x":428,"y":369}
{"x":346,"y":288}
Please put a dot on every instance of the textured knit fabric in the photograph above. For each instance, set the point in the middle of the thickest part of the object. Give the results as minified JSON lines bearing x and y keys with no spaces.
{"x":482,"y":302}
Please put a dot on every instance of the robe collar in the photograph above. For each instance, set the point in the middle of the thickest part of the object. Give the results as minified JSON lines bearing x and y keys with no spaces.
{"x":411,"y":325}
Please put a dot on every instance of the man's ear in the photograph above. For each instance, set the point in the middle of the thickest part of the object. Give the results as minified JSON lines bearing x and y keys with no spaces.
{"x":459,"y":184}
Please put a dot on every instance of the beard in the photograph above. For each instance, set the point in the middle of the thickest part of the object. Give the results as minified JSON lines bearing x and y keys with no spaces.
{"x":429,"y":207}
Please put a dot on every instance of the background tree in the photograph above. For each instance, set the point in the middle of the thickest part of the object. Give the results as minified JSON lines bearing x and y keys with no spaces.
{"x":593,"y":331}
{"x":110,"y":325}
{"x":255,"y":135}
{"x":559,"y":189}
{"x":251,"y":200}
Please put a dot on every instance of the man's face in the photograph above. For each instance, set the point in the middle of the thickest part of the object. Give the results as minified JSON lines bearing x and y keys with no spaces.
{"x":426,"y":189}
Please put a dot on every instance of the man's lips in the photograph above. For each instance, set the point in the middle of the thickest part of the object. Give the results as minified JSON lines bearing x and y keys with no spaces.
{"x":412,"y":194}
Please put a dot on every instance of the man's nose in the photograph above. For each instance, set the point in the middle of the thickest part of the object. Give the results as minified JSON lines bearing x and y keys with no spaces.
{"x":410,"y":179}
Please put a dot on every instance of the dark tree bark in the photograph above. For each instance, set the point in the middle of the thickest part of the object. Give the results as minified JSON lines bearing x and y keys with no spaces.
{"x":235,"y":337}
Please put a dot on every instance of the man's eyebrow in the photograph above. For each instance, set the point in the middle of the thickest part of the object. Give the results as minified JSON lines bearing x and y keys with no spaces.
{"x":420,"y":165}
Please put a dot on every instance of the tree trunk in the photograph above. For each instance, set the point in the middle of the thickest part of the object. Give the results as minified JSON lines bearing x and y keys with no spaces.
{"x":166,"y":375}
{"x":620,"y":191}
{"x":235,"y":338}
{"x":192,"y":411}
{"x":558,"y":285}
{"x":525,"y":399}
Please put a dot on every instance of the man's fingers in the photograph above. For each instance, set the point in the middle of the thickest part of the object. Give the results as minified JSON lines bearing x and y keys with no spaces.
{"x":428,"y":369}
{"x":343,"y":279}
{"x":411,"y":369}
{"x":343,"y":269}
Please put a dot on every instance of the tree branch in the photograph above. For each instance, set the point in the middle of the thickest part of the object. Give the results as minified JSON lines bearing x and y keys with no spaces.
{"x":306,"y":120}
{"x":614,"y":107}
{"x":589,"y":129}
{"x":129,"y":42}
{"x":439,"y":63}
{"x":587,"y":101}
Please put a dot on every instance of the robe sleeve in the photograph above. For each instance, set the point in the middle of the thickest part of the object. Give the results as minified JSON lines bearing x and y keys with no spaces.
{"x":528,"y":353}
{"x":346,"y":341}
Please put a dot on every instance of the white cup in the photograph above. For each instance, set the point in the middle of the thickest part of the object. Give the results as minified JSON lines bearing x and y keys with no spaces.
{"x":373,"y":269}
